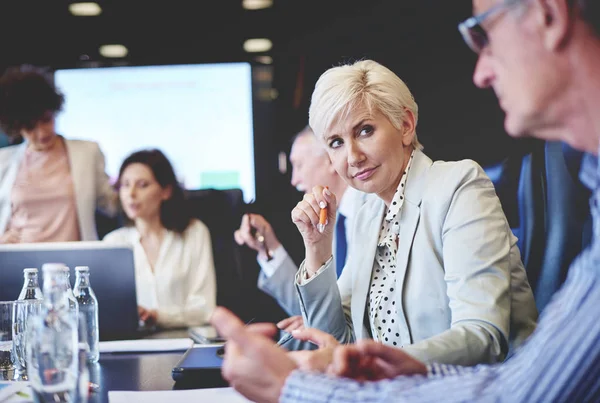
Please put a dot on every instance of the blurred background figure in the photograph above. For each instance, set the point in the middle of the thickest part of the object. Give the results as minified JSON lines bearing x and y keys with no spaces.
{"x":311,"y":167}
{"x":175,"y":274}
{"x":50,"y":187}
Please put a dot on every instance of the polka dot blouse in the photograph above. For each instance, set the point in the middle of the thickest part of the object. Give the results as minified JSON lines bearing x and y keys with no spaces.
{"x":381,"y":306}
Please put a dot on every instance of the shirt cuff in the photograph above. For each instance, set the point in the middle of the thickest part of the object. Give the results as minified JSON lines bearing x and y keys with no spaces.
{"x":437,"y":370}
{"x":295,"y":389}
{"x":269,"y":267}
{"x":303,"y":277}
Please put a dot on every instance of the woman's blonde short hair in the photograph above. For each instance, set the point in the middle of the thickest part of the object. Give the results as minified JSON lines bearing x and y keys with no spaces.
{"x":365,"y":83}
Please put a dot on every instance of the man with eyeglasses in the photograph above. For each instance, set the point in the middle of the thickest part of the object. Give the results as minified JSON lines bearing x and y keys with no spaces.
{"x":542,"y":59}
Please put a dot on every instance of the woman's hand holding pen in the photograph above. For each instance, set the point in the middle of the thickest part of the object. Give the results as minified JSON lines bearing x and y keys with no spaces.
{"x":307,"y":216}
{"x":257,"y":233}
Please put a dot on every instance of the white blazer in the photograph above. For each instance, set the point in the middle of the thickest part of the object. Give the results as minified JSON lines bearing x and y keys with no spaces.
{"x":90,"y":183}
{"x":461,"y":288}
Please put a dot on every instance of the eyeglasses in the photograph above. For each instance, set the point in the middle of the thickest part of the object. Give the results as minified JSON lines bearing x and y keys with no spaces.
{"x":473,"y":33}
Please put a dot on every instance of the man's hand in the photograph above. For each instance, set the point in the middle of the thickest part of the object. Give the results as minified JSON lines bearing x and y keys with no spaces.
{"x":245,"y":234}
{"x":254,"y":365}
{"x":316,"y":336}
{"x":372,"y":361}
{"x":316,"y":360}
{"x":292,"y":323}
{"x":11,"y":236}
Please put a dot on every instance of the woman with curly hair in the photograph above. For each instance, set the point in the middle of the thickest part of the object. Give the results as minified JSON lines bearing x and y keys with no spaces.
{"x":50,"y":187}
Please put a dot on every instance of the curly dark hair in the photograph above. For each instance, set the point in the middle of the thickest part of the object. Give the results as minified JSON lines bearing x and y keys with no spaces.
{"x":26,"y":96}
{"x":174,"y":214}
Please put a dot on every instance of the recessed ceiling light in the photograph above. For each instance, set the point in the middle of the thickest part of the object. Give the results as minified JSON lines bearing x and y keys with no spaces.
{"x":85,"y":9}
{"x":257,"y":45}
{"x":264,"y":59}
{"x":113,"y":51}
{"x":256,"y":4}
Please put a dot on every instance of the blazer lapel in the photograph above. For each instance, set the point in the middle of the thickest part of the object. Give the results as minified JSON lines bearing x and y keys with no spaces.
{"x":7,"y":183}
{"x":76,"y":164}
{"x":409,"y":221}
{"x":408,"y":226}
{"x":367,"y":228}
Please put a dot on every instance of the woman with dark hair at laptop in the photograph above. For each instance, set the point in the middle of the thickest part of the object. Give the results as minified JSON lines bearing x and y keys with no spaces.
{"x":175,"y":274}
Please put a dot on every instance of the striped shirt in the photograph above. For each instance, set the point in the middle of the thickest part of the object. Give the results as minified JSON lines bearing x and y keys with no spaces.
{"x":560,"y":362}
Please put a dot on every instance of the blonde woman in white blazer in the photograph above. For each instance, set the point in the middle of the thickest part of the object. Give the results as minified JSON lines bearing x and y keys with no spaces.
{"x":433,"y":267}
{"x":50,"y":187}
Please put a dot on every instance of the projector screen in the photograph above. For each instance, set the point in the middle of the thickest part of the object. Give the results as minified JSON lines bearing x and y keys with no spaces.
{"x":200,"y":116}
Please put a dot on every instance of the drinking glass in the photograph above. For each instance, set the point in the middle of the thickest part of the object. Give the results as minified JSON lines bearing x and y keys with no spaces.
{"x":7,"y":365}
{"x":23,"y":312}
{"x":83,"y":373}
{"x":52,"y":355}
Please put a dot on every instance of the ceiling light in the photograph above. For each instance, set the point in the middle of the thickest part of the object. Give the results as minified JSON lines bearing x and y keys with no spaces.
{"x":85,"y":9}
{"x":113,"y":51}
{"x":264,"y":59}
{"x":257,"y":45}
{"x":256,"y":4}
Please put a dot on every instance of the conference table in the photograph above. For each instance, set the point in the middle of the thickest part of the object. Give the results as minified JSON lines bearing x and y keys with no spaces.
{"x":139,"y":371}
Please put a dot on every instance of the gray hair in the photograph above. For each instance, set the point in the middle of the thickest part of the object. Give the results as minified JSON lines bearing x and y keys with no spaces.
{"x":365,"y":83}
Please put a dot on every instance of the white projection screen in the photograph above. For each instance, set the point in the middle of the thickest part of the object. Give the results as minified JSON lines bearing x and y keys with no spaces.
{"x":200,"y":116}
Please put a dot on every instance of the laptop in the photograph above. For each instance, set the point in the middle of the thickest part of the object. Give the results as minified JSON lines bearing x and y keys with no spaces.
{"x":112,"y":277}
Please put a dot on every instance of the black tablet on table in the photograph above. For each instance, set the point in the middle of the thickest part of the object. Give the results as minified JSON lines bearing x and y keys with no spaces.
{"x":200,"y":366}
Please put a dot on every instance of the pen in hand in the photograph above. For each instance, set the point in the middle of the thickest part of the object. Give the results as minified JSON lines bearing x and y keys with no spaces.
{"x":284,"y":339}
{"x":322,"y":218}
{"x":260,"y":238}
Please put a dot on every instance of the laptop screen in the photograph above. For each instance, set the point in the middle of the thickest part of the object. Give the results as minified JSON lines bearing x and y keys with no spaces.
{"x":112,"y":277}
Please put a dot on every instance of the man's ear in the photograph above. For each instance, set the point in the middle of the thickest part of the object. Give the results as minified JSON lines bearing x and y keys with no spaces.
{"x":556,"y":20}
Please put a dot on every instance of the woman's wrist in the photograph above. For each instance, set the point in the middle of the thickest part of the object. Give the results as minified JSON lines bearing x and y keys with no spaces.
{"x":316,"y":257}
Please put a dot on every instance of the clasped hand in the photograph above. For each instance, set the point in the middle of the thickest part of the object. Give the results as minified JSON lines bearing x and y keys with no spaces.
{"x":366,"y":360}
{"x":258,"y":369}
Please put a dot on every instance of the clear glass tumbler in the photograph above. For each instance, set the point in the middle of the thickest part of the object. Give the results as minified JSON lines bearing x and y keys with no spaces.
{"x":7,"y":364}
{"x":23,"y":313}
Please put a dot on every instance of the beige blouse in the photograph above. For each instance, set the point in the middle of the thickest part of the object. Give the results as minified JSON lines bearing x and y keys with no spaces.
{"x":43,"y":205}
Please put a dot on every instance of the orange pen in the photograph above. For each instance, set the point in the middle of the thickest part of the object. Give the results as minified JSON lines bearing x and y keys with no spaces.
{"x":322,"y":218}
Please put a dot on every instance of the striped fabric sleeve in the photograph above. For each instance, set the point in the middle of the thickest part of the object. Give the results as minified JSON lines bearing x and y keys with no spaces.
{"x":308,"y":387}
{"x":436,"y":370}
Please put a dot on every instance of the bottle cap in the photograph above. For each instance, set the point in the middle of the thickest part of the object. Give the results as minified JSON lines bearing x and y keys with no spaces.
{"x":30,"y":270}
{"x":82,"y":268}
